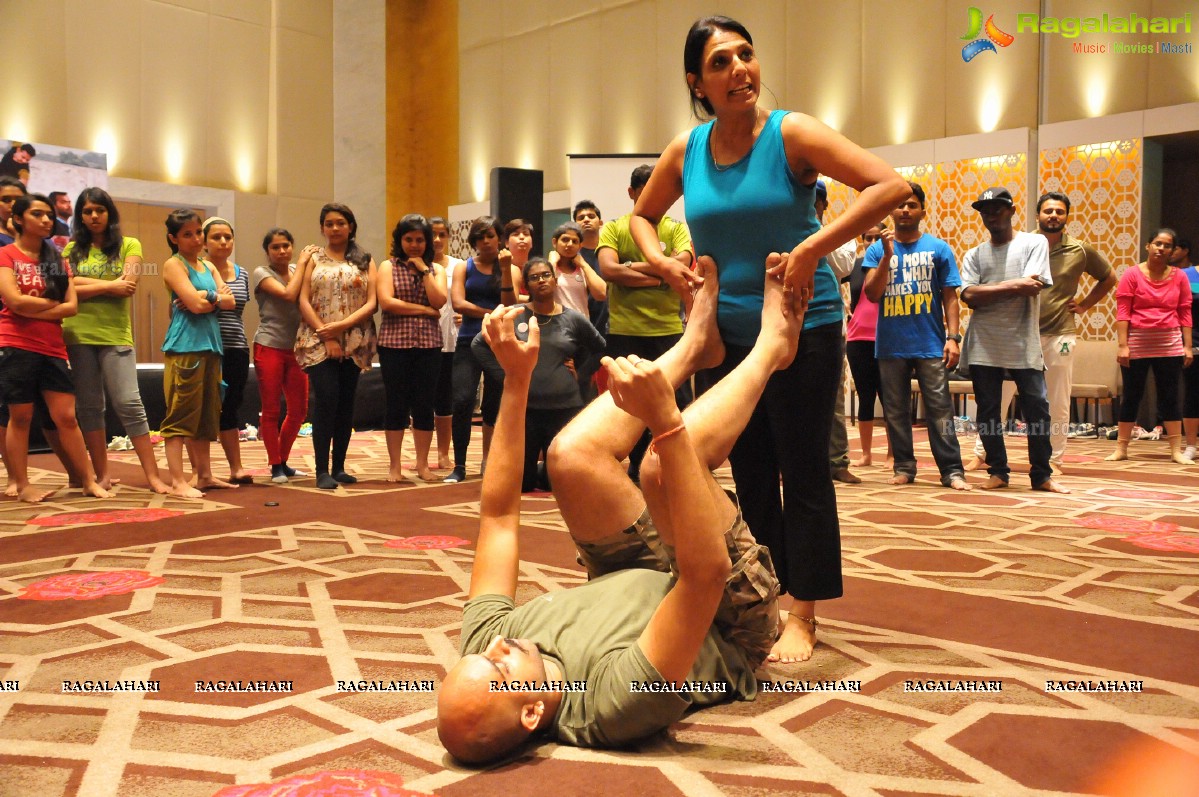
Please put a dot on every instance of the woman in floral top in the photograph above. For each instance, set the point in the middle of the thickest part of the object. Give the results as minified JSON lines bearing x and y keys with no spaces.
{"x":336,"y":338}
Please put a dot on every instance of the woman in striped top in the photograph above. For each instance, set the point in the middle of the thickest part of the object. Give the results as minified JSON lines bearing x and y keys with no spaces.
{"x":235,"y":361}
{"x":1153,"y":327}
{"x":412,"y":291}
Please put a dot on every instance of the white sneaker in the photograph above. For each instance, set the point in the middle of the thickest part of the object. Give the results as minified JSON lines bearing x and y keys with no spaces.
{"x":1189,"y":453}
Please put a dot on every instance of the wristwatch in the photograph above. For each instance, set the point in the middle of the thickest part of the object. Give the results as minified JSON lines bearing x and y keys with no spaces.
{"x":954,"y":338}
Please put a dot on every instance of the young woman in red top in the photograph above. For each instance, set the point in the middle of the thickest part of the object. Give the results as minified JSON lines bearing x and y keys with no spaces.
{"x":36,"y":288}
{"x":1153,"y":328}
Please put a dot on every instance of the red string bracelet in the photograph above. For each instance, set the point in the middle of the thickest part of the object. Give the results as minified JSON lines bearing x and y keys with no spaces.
{"x":653,"y":445}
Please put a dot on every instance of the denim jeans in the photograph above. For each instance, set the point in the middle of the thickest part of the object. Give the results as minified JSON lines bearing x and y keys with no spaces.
{"x":1034,"y":405}
{"x":895,"y":376}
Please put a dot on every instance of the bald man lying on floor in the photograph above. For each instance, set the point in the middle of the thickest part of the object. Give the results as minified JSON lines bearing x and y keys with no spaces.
{"x":681,"y":601}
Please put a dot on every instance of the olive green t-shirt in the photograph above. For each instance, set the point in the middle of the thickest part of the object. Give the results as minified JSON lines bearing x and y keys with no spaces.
{"x":1068,"y":261}
{"x":101,"y":320}
{"x":591,"y":632}
{"x":643,"y":312}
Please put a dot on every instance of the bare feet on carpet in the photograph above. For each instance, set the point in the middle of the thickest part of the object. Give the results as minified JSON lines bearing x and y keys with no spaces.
{"x":846,"y":476}
{"x":97,"y":491}
{"x":32,"y":495}
{"x":107,"y":483}
{"x":901,"y":478}
{"x":1050,"y":486}
{"x":1056,"y":467}
{"x":958,"y":483}
{"x":995,"y":483}
{"x":213,"y":483}
{"x":864,"y":461}
{"x":184,"y":490}
{"x":796,"y":642}
{"x":975,"y":463}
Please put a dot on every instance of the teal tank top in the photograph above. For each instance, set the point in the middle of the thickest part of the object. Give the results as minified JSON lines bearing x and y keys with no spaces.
{"x":192,"y":332}
{"x":740,"y":213}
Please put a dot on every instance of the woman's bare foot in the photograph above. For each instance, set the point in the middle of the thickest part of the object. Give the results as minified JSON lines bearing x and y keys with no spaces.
{"x":213,"y":483}
{"x":779,"y":330}
{"x":1050,"y":486}
{"x":975,"y":463}
{"x":159,"y":486}
{"x":902,"y":478}
{"x":959,"y":483}
{"x":33,"y":495}
{"x":425,"y":474}
{"x":96,"y":490}
{"x":444,"y":463}
{"x":240,"y":476}
{"x":396,"y":475}
{"x":107,"y":483}
{"x":865,"y":461}
{"x":995,"y":483}
{"x":12,"y":490}
{"x":185,"y":490}
{"x":796,"y":642}
{"x":701,"y":330}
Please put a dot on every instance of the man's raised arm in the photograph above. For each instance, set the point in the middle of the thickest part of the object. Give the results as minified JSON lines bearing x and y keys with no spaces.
{"x":497,"y":555}
{"x":672,"y":639}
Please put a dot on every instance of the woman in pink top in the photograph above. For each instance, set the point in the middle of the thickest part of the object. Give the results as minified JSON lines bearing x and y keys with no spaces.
{"x":1153,"y":326}
{"x":859,"y":350}
{"x":35,"y":285}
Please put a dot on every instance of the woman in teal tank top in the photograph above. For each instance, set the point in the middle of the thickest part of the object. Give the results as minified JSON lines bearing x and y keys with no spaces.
{"x":748,"y":177}
{"x":192,"y":355}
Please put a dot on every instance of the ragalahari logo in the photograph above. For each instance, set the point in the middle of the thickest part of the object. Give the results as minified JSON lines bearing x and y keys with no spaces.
{"x":994,"y":36}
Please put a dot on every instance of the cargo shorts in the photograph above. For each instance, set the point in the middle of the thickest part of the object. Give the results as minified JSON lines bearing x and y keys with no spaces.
{"x":748,"y":615}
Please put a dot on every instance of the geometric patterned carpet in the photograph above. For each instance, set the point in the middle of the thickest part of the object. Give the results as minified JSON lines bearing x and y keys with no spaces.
{"x":943,"y":589}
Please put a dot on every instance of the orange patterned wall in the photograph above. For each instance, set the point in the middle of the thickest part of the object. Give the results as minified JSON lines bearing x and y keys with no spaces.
{"x":1103,"y":182}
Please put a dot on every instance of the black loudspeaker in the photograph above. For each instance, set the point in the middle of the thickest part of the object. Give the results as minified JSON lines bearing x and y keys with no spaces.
{"x":518,"y":194}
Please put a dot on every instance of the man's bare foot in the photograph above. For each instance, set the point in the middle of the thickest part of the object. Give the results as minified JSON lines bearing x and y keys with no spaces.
{"x":959,"y":483}
{"x":33,"y":495}
{"x":865,"y":461}
{"x":995,"y":483}
{"x":1056,"y":467}
{"x":185,"y":490}
{"x":159,"y":486}
{"x":701,"y":328}
{"x":796,"y":642}
{"x":846,"y":476}
{"x":902,"y":478}
{"x":975,"y":463}
{"x":213,"y":483}
{"x":780,"y":332}
{"x":1050,"y":486}
{"x":96,"y":490}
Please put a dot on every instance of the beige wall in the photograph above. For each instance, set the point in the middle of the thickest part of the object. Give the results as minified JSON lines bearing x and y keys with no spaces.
{"x":233,"y":94}
{"x":541,"y":79}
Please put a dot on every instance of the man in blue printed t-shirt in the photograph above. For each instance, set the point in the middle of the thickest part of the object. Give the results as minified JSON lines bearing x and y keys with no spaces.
{"x":914,"y":279}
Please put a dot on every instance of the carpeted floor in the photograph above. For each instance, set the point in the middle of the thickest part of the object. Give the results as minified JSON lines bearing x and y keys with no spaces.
{"x":1021,"y":592}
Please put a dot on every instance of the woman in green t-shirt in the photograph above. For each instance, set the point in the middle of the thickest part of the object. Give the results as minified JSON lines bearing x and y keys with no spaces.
{"x":100,"y":338}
